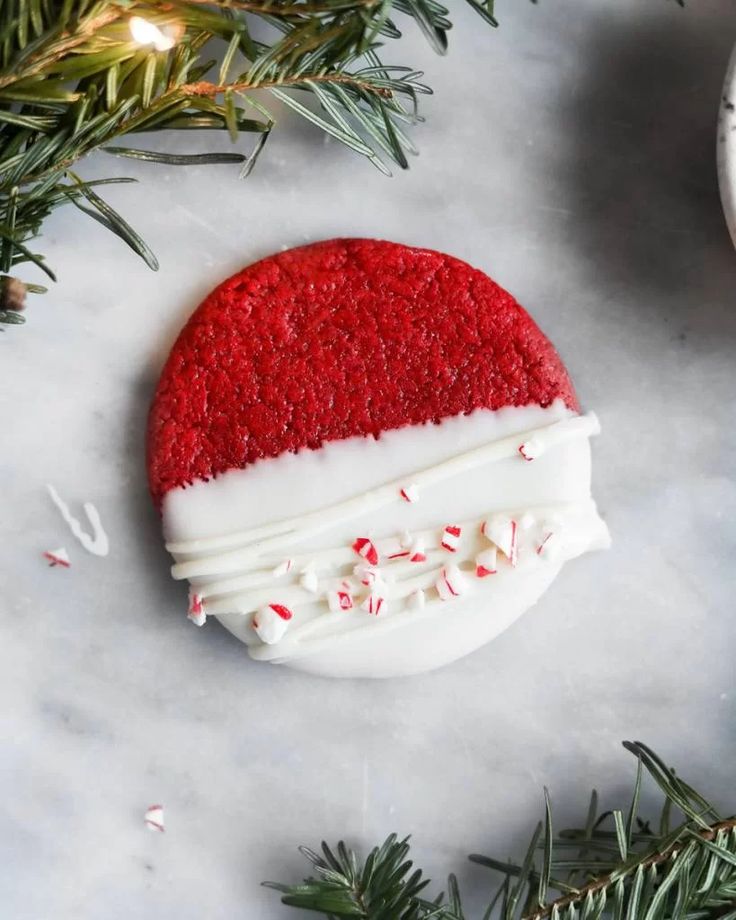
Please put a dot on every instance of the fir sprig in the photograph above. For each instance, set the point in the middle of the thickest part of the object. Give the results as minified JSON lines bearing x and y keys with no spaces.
{"x":74,"y":80}
{"x":616,"y":867}
{"x":383,"y":888}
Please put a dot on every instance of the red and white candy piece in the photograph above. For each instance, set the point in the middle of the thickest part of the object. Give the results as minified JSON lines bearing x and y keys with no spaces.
{"x":531,"y":449}
{"x":283,"y":567}
{"x":57,"y":557}
{"x":309,"y":580}
{"x":416,"y":600}
{"x":366,"y":574}
{"x":451,"y":537}
{"x":485,"y":562}
{"x":375,"y":602}
{"x":196,"y":612}
{"x":417,"y":552}
{"x":451,"y":583}
{"x":339,"y":600}
{"x":394,"y":548}
{"x":367,"y":549}
{"x":504,"y":532}
{"x":404,"y":547}
{"x":154,"y":818}
{"x":410,"y":493}
{"x":271,"y":622}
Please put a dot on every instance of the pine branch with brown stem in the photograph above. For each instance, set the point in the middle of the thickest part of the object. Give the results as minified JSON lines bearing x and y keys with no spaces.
{"x":73,"y":80}
{"x":615,"y":867}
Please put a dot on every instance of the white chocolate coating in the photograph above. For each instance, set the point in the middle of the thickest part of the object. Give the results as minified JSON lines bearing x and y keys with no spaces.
{"x":231,"y":535}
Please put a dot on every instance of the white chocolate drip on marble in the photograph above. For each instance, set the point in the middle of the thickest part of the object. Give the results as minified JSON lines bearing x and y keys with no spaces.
{"x":97,"y":544}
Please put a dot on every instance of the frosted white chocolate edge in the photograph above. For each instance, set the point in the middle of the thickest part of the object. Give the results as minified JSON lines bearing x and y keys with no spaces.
{"x":228,"y":536}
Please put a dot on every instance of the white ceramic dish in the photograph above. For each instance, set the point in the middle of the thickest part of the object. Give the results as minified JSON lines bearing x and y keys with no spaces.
{"x":727,"y":146}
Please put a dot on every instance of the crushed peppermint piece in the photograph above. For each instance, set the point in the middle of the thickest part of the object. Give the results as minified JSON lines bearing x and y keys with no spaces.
{"x":271,"y":622}
{"x":57,"y":557}
{"x":485,"y":562}
{"x":339,"y":600}
{"x":410,"y":493}
{"x":309,"y":580}
{"x":526,"y":521}
{"x":366,"y":574}
{"x":283,"y":567}
{"x":417,"y":553}
{"x":196,"y":612}
{"x":416,"y":600}
{"x":366,"y":548}
{"x":503,"y":531}
{"x":375,"y":602}
{"x":531,"y":449}
{"x":513,"y":554}
{"x":451,"y":583}
{"x":406,"y":539}
{"x":451,"y":538}
{"x":392,"y":548}
{"x":154,"y":818}
{"x":550,"y":546}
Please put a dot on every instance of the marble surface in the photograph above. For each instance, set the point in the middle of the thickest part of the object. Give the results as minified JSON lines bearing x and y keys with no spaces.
{"x":571,"y":155}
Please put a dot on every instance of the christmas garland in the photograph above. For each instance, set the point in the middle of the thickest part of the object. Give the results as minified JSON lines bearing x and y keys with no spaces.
{"x":76,"y":76}
{"x":618,"y":866}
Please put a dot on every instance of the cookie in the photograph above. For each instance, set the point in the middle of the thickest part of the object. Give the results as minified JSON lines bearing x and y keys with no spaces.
{"x":368,"y":458}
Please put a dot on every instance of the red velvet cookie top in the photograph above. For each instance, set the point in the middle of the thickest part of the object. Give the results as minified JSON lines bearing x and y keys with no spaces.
{"x":341,"y":338}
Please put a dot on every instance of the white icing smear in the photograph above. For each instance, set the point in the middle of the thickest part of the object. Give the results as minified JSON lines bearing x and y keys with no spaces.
{"x":97,"y":544}
{"x":373,"y":578}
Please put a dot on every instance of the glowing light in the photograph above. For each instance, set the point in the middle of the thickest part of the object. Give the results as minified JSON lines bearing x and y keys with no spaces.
{"x":148,"y":33}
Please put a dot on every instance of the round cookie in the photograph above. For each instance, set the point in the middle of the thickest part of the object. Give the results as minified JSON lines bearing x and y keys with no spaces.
{"x":368,"y":458}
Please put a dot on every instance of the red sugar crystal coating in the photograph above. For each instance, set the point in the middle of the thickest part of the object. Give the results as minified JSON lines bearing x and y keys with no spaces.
{"x":336,"y":339}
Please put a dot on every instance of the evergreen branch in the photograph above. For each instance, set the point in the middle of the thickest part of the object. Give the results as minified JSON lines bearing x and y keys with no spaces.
{"x":381,"y":888}
{"x":616,"y":868}
{"x":74,"y":80}
{"x":651,"y":860}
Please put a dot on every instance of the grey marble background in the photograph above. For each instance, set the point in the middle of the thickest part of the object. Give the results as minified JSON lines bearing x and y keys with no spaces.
{"x":571,"y":155}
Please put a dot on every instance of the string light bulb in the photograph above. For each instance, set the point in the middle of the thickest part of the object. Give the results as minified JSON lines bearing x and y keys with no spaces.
{"x":148,"y":33}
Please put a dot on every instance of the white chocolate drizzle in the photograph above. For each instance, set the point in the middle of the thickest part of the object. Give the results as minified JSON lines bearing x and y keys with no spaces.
{"x":244,"y":572}
{"x":248,"y":545}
